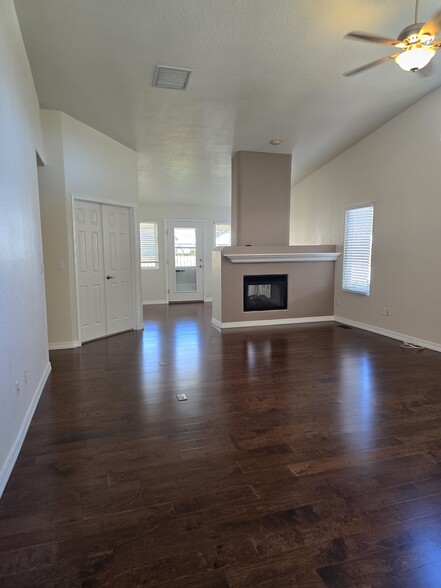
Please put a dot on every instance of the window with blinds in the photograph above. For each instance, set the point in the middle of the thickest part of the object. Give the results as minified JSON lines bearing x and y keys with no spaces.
{"x":222,"y":234}
{"x":149,"y":244}
{"x":357,"y":249}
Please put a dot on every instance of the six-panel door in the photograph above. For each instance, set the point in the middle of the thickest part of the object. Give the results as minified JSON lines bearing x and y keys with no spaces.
{"x":104,"y":269}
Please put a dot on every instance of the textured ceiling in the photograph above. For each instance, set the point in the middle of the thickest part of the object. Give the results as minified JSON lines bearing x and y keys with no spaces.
{"x":262,"y":69}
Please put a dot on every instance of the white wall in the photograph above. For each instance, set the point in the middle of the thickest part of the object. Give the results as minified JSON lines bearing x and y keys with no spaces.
{"x":80,"y":161}
{"x":154,"y":281}
{"x":98,"y":166}
{"x":396,"y":168}
{"x":23,"y":334}
{"x":102,"y":169}
{"x":54,"y":203}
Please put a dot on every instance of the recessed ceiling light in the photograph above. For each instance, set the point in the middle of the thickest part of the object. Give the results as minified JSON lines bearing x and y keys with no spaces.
{"x":173,"y":78}
{"x":275,"y":141}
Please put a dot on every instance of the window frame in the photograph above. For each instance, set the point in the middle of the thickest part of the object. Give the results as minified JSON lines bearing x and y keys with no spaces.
{"x":154,"y":264}
{"x":215,"y":224}
{"x":347,"y":254}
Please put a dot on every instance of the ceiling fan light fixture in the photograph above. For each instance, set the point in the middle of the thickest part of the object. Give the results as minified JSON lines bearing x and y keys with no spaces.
{"x":427,"y":39}
{"x":415,"y":58}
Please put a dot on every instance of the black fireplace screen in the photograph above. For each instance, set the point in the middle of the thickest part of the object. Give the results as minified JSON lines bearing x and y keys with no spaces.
{"x":265,"y":292}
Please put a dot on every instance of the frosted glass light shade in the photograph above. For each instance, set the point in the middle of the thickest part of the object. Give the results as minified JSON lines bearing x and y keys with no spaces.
{"x":415,"y":58}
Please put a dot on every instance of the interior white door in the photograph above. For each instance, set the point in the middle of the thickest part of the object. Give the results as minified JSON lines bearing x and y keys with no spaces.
{"x":117,"y":269}
{"x":90,"y":270}
{"x":185,"y":261}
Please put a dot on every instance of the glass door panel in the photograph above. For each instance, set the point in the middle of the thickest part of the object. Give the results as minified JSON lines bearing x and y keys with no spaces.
{"x":185,"y":259}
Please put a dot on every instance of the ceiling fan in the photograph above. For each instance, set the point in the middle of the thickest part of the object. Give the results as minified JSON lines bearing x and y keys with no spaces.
{"x":416,"y":41}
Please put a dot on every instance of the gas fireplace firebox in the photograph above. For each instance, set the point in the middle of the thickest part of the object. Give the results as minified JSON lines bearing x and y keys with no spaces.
{"x":265,"y":292}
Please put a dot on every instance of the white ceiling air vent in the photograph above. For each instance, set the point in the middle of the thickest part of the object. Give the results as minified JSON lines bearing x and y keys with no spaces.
{"x":174,"y":78}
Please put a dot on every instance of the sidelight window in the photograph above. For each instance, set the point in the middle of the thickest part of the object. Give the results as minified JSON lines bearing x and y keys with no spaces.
{"x":222,"y":234}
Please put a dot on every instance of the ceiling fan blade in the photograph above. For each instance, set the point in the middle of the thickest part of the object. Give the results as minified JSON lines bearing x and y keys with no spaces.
{"x":374,"y":39}
{"x":369,"y":65}
{"x":432,"y":26}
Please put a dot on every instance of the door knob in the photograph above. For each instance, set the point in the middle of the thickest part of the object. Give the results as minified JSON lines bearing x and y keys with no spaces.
{"x":109,"y":277}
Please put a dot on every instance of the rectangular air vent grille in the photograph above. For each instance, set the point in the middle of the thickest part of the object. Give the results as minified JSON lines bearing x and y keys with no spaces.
{"x":173,"y":78}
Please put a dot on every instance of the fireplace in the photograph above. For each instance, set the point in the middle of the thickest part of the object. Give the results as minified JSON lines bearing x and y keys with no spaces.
{"x":265,"y":292}
{"x":260,"y":222}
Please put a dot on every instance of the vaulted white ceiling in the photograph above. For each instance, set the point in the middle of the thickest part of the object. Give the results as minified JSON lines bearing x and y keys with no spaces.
{"x":262,"y":69}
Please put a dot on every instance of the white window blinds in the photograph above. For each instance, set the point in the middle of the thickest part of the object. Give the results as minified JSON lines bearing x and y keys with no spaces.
{"x":149,"y":244}
{"x":222,"y":234}
{"x":357,"y":249}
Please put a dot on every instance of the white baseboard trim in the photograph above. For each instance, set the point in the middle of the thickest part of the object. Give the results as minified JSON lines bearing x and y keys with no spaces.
{"x":8,"y":466}
{"x":387,"y":333}
{"x":271,"y":323}
{"x":64,"y":345}
{"x":338,"y":319}
{"x":208,"y":299}
{"x":216,"y":323}
{"x":148,"y":302}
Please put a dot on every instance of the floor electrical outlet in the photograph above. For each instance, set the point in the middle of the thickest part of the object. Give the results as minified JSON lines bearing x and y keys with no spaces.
{"x":181,"y":397}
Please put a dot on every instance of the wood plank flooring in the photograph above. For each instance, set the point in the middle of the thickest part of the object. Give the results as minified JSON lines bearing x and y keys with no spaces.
{"x":304,"y":456}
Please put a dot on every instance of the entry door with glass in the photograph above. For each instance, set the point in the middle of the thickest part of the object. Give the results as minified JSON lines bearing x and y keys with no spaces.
{"x":185,"y":261}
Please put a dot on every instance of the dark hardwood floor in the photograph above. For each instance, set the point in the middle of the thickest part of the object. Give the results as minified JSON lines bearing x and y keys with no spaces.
{"x":304,"y":456}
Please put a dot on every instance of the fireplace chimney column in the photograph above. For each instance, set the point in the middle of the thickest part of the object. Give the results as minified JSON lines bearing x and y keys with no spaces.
{"x":260,"y":198}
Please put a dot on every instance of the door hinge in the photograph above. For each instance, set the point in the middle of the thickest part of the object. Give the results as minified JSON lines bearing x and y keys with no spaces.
{"x":168,"y":291}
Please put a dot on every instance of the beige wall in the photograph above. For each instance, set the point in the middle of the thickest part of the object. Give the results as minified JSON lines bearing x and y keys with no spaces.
{"x":80,"y":161}
{"x":154,"y":281}
{"x":396,"y":168}
{"x":261,"y":188}
{"x":23,"y":334}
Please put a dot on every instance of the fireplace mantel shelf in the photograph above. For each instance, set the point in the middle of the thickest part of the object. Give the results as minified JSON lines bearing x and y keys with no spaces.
{"x":280,"y":257}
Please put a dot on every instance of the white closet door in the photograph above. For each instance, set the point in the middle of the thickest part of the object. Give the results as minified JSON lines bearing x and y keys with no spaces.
{"x":90,"y":270}
{"x":117,"y":269}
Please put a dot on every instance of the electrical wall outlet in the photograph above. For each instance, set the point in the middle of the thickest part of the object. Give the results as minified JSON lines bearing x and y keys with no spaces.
{"x":17,"y":387}
{"x":385,"y":311}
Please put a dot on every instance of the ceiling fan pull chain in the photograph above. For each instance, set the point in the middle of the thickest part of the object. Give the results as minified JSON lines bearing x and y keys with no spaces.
{"x":417,"y":2}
